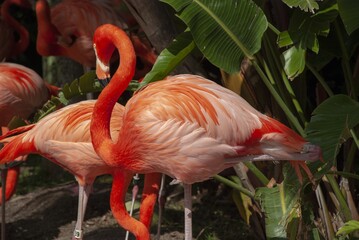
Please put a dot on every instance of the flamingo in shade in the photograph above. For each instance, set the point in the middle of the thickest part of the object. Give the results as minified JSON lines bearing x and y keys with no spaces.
{"x":185,"y":126}
{"x":67,"y":30}
{"x":22,"y":91}
{"x":11,"y":47}
{"x":64,"y":138}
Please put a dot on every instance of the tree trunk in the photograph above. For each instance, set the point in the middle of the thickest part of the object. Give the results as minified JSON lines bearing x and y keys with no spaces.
{"x":157,"y":21}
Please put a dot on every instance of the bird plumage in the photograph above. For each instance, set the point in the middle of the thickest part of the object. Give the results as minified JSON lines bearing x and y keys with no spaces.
{"x":185,"y":126}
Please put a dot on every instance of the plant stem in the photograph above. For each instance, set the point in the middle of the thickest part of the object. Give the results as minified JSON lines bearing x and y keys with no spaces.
{"x":342,"y":202}
{"x":345,"y":174}
{"x":257,"y":173}
{"x":279,"y":100}
{"x":233,"y":185}
{"x":286,"y":82}
{"x":320,"y":79}
{"x":348,"y":74}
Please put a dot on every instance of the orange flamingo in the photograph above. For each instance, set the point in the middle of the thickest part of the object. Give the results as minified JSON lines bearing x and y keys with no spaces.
{"x":67,"y":30}
{"x":22,"y":91}
{"x":64,"y":138}
{"x":185,"y":126}
{"x":10,"y":47}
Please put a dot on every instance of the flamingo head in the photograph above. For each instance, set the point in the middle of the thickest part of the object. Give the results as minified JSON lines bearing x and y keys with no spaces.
{"x":104,"y":48}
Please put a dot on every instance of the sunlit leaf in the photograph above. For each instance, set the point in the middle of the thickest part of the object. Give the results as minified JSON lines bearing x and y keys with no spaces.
{"x":225,"y":31}
{"x":304,"y":29}
{"x":331,"y":123}
{"x":348,"y":10}
{"x":306,"y":5}
{"x":294,"y":61}
{"x":280,"y":204}
{"x":349,"y":227}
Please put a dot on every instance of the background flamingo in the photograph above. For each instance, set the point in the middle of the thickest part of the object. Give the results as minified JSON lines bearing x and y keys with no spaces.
{"x":64,"y":138}
{"x":185,"y":126}
{"x":67,"y":30}
{"x":22,"y":91}
{"x":9,"y":45}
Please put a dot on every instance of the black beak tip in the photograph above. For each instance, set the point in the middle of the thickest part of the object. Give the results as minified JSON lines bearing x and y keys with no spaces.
{"x":104,"y":82}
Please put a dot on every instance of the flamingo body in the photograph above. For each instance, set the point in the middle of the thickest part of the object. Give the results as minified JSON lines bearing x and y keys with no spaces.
{"x":9,"y":45}
{"x":185,"y":126}
{"x":22,"y":91}
{"x":64,"y":138}
{"x":67,"y":29}
{"x":196,"y":129}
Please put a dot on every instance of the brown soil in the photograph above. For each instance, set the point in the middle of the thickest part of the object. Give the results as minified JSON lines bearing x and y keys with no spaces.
{"x":50,"y":213}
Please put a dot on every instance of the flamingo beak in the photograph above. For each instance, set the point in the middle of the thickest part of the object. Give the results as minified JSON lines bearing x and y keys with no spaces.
{"x":104,"y":82}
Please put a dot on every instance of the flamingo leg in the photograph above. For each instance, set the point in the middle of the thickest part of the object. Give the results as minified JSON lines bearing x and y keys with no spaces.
{"x":160,"y":206}
{"x":3,"y":192}
{"x":84,"y":193}
{"x":134,"y":195}
{"x":187,"y":211}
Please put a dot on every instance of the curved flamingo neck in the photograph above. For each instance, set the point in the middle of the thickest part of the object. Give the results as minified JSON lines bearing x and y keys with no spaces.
{"x":120,"y":183}
{"x":22,"y":44}
{"x":48,"y":34}
{"x":106,"y":39}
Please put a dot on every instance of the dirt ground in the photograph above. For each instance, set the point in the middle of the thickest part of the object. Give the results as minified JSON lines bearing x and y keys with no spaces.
{"x":50,"y":213}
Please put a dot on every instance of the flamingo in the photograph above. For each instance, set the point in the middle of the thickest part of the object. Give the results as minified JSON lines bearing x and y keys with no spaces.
{"x":10,"y":47}
{"x":185,"y":126}
{"x":22,"y":91}
{"x":64,"y":138}
{"x":67,"y":30}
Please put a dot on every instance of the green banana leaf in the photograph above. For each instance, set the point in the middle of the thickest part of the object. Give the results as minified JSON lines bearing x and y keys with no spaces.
{"x":348,"y":227}
{"x":331,"y":123}
{"x":280,"y":206}
{"x":170,"y":57}
{"x":304,"y":29}
{"x":306,"y":5}
{"x":224,"y":31}
{"x":348,"y":10}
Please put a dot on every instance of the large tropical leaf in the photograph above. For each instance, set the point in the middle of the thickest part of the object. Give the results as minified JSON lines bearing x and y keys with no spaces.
{"x":306,"y":5}
{"x":304,"y":28}
{"x":331,"y":123}
{"x":225,"y":31}
{"x":170,"y":57}
{"x":280,"y":205}
{"x":348,"y":10}
{"x":349,"y":227}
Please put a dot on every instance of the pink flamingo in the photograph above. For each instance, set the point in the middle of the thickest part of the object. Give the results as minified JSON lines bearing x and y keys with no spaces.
{"x":67,"y":30}
{"x":64,"y":138}
{"x":185,"y":126}
{"x":22,"y":91}
{"x":10,"y":47}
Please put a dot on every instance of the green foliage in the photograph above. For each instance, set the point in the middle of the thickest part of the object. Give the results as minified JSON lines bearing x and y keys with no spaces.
{"x":225,"y":32}
{"x":348,"y":11}
{"x":306,"y":5}
{"x":332,"y":123}
{"x":349,"y":227}
{"x":170,"y":57}
{"x":87,"y":83}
